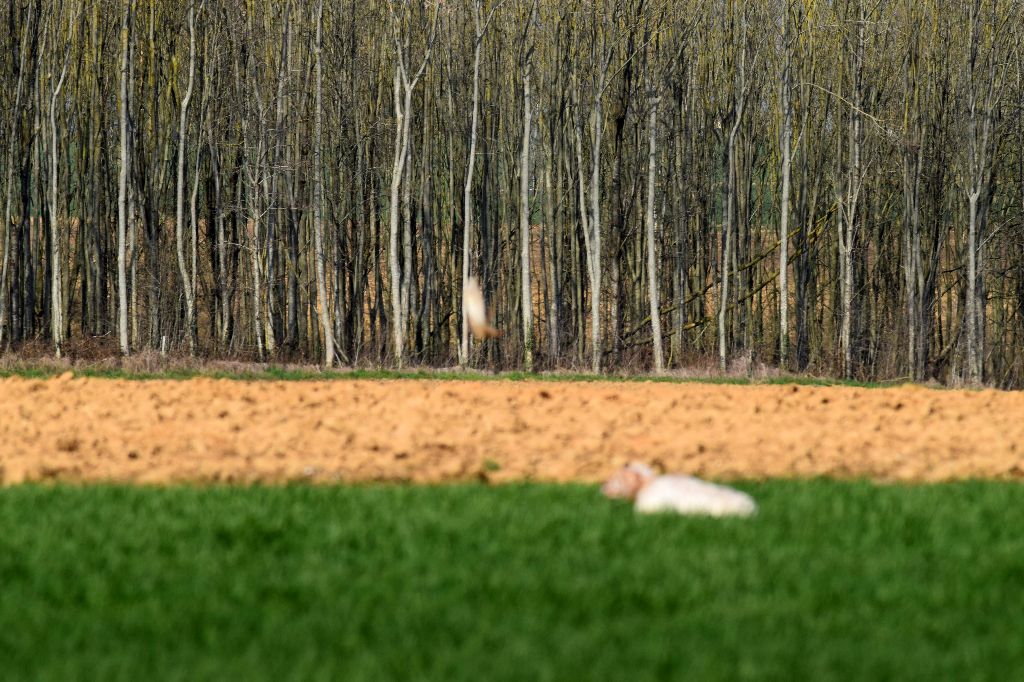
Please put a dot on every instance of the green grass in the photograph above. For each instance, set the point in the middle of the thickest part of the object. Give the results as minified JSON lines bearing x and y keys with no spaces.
{"x":829,"y":581}
{"x":272,"y":373}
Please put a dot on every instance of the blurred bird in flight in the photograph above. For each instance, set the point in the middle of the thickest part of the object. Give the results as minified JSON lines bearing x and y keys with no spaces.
{"x":476,"y":311}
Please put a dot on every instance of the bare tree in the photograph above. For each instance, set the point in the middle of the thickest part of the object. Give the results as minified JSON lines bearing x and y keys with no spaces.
{"x":739,"y":105}
{"x":850,"y":195}
{"x":913,"y":163}
{"x":318,"y":192}
{"x":652,"y":260}
{"x":601,"y":53}
{"x":524,"y":195}
{"x":56,"y":239}
{"x":479,"y":31}
{"x":122,"y":187}
{"x":404,"y":83}
{"x":15,"y":115}
{"x":187,"y":277}
{"x":654,"y":76}
{"x":785,"y":143}
{"x":982,"y":102}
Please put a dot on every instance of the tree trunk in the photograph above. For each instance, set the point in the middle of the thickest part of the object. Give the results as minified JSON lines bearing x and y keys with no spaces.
{"x":179,"y":222}
{"x":318,"y":201}
{"x":652,"y":259}
{"x":397,"y":167}
{"x":848,"y":226}
{"x":786,"y":144}
{"x":15,"y":114}
{"x":56,"y":280}
{"x":524,"y":226}
{"x":467,"y":204}
{"x":594,"y":245}
{"x":727,"y":247}
{"x":122,"y":188}
{"x":971,"y":303}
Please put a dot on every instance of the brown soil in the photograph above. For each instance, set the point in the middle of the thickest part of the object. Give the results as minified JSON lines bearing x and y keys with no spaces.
{"x":206,"y":430}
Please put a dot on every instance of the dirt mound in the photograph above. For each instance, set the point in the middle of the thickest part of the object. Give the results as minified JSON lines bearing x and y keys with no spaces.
{"x":206,"y":430}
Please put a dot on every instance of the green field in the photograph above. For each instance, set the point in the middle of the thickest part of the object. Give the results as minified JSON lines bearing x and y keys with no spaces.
{"x":829,"y":581}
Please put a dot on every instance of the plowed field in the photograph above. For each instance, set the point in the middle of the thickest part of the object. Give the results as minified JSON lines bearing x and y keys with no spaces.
{"x":205,"y":430}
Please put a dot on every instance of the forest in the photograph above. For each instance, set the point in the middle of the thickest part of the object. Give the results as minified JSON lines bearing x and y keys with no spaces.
{"x":824,"y":186}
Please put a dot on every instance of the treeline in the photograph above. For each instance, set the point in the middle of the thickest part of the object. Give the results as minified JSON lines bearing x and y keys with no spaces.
{"x":831,"y":186}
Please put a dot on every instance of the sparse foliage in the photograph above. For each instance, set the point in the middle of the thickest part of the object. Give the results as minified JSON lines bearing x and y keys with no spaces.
{"x":834,"y":187}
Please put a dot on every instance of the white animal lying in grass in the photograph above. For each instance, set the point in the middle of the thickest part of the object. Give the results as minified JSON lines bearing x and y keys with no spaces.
{"x":676,"y":493}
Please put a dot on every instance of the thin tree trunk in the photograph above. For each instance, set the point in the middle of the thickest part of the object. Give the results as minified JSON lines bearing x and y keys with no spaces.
{"x":56,"y":280}
{"x":594,"y":246}
{"x":397,"y":168}
{"x":408,"y":249}
{"x":122,"y":188}
{"x":553,"y":272}
{"x":652,"y":260}
{"x":318,"y":219}
{"x":728,"y":218}
{"x":584,"y":217}
{"x":179,"y":223}
{"x":401,"y":282}
{"x":193,"y":228}
{"x":467,"y":203}
{"x":524,"y":226}
{"x":848,"y":226}
{"x":973,"y":351}
{"x":727,"y":247}
{"x":9,"y":167}
{"x":786,"y":143}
